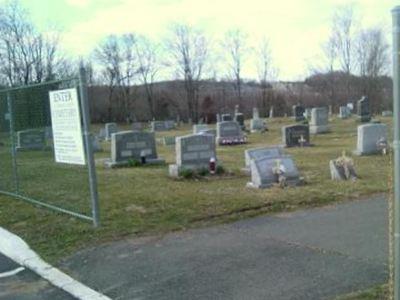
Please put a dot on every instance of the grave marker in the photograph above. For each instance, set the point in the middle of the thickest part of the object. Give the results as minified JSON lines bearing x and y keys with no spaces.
{"x":319,"y":120}
{"x":110,"y":128}
{"x":31,"y":139}
{"x":229,"y":133}
{"x":368,"y":138}
{"x":263,"y":173}
{"x":193,"y":152}
{"x":363,"y":110}
{"x":293,"y":135}
{"x":127,"y":146}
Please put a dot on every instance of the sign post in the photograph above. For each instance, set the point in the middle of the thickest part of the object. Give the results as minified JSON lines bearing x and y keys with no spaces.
{"x":66,"y":125}
{"x":396,"y":147}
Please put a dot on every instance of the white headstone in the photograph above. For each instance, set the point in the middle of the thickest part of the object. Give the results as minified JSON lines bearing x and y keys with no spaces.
{"x":368,"y":136}
{"x":262,"y":175}
{"x":319,"y":120}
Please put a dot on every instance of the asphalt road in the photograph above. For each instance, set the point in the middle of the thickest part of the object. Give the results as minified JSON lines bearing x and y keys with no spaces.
{"x":26,"y":285}
{"x":310,"y":254}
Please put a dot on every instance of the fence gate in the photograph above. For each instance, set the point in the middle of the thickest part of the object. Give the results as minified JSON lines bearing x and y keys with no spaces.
{"x":46,"y":153}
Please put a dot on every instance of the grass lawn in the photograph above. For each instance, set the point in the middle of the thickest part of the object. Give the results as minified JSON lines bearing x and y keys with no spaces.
{"x":144,"y":201}
{"x":376,"y":293}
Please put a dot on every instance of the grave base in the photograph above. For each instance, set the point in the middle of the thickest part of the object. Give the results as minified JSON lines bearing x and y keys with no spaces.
{"x":149,"y":161}
{"x":319,"y":129}
{"x":289,"y":182}
{"x":364,"y":119}
{"x":174,"y":170}
{"x":360,"y":153}
{"x":232,"y":141}
{"x":246,"y":171}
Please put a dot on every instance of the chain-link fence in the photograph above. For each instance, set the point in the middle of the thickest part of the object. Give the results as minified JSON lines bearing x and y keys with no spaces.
{"x":29,"y":170}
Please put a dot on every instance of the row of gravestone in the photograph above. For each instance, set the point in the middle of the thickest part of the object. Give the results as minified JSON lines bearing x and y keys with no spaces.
{"x":363,"y":111}
{"x":41,"y":139}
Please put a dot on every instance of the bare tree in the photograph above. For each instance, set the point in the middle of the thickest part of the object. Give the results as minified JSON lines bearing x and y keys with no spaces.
{"x":266,"y":71}
{"x":26,"y":55}
{"x":147,"y":54}
{"x":343,"y":30}
{"x":373,"y":62}
{"x":234,"y":42}
{"x":117,"y":58}
{"x":189,"y":48}
{"x":372,"y":52}
{"x":107,"y":56}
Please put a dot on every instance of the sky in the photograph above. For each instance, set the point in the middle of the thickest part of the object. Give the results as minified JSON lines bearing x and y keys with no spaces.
{"x":295,"y":28}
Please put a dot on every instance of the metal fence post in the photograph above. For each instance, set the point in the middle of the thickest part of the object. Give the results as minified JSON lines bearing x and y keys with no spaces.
{"x":396,"y":147}
{"x":12,"y":138}
{"x":88,"y":147}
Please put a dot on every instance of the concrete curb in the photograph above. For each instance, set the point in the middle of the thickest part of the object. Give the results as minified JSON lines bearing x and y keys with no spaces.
{"x":16,"y":249}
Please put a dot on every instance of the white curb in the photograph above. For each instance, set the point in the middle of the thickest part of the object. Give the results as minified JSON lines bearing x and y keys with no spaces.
{"x":16,"y":249}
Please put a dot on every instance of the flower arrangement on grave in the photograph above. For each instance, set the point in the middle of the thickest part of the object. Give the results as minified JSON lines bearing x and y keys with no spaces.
{"x":279,"y":170}
{"x":382,"y":145}
{"x":345,"y":167}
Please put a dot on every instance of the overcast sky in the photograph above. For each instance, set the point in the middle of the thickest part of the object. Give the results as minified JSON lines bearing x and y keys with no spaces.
{"x":295,"y":28}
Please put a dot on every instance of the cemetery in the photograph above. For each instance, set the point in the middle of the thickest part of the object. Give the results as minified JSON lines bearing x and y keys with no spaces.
{"x":252,"y":187}
{"x":177,"y":150}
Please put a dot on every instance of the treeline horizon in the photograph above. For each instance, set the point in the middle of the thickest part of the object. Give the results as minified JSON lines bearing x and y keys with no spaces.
{"x":127,"y":73}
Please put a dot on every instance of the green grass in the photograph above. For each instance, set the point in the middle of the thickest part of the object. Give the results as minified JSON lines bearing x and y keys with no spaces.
{"x":144,"y":200}
{"x":376,"y":293}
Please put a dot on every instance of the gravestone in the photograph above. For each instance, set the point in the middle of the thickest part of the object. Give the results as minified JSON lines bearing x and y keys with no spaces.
{"x":264,"y":176}
{"x":197,"y":128}
{"x":257,"y":125}
{"x":170,"y":124}
{"x":271,"y":112}
{"x":256,"y":114}
{"x":239,"y":117}
{"x":137,"y":126}
{"x":298,"y":112}
{"x":110,"y":128}
{"x":368,"y":137}
{"x":387,"y":113}
{"x":162,"y":125}
{"x":363,"y":110}
{"x":193,"y":152}
{"x":307,"y":113}
{"x":31,"y":139}
{"x":350,"y":105}
{"x":344,"y":112}
{"x":319,"y":120}
{"x":96,"y":146}
{"x":102,"y":134}
{"x":226,"y":117}
{"x":258,"y":153}
{"x":296,"y":135}
{"x":127,"y":146}
{"x":342,"y":168}
{"x":229,"y":133}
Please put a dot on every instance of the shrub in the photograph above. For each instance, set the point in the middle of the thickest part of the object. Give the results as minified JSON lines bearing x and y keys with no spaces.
{"x":186,"y":173}
{"x":220,"y":170}
{"x":133,"y":163}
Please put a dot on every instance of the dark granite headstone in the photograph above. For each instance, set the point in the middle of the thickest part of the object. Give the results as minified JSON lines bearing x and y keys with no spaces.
{"x":293,"y":135}
{"x":298,"y":112}
{"x":363,"y":110}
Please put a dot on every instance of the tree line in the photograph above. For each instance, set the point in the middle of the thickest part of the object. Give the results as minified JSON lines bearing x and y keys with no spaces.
{"x":127,"y":72}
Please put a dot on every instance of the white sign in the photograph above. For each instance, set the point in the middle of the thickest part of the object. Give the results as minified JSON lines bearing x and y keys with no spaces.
{"x":67,"y":129}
